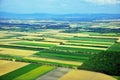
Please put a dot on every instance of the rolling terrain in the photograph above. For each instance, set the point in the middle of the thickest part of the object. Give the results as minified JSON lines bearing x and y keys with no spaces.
{"x":53,"y":54}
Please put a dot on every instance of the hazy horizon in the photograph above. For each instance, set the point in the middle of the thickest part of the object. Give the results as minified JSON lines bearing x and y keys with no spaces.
{"x":60,"y":6}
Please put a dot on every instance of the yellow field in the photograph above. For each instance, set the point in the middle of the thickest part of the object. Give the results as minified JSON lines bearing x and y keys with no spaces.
{"x":4,"y":62}
{"x":56,"y":40}
{"x":16,"y":52}
{"x":9,"y":66}
{"x":3,"y":34}
{"x":30,"y":36}
{"x":42,"y":42}
{"x":85,"y":75}
{"x":97,"y":48}
{"x":7,"y":41}
{"x":54,"y":60}
{"x":118,"y":40}
{"x":72,"y":34}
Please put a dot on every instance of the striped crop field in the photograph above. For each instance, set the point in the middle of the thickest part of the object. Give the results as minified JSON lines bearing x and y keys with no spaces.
{"x":34,"y":44}
{"x":60,"y":55}
{"x":91,"y":39}
{"x":26,"y":72}
{"x":13,"y":74}
{"x":9,"y":66}
{"x":51,"y":54}
{"x":33,"y":74}
{"x":16,"y":52}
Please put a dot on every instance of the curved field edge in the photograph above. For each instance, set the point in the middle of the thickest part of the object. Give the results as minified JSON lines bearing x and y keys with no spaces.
{"x":86,"y":75}
{"x":114,"y":47}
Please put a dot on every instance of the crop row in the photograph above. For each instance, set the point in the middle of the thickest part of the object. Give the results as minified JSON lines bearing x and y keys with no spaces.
{"x":89,"y":42}
{"x":35,"y":73}
{"x":18,"y":72}
{"x":21,"y":47}
{"x":22,"y":59}
{"x":91,"y":39}
{"x":87,"y":45}
{"x":34,"y":44}
{"x":73,"y":49}
{"x":29,"y":72}
{"x":68,"y":56}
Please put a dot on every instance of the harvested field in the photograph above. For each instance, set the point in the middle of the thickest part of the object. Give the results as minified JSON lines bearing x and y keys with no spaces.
{"x":8,"y":40}
{"x":10,"y":66}
{"x":118,"y":40}
{"x":95,"y":48}
{"x":54,"y":40}
{"x":4,"y":34}
{"x":74,"y":34}
{"x":85,"y":75}
{"x":16,"y":52}
{"x":44,"y":42}
{"x":55,"y":60}
{"x":23,"y":70}
{"x":2,"y":62}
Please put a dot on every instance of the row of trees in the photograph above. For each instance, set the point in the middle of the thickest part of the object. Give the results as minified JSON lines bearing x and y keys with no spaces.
{"x":107,"y":62}
{"x":22,"y":59}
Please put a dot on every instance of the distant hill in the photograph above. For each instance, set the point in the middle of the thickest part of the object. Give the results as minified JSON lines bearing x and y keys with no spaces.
{"x":64,"y":17}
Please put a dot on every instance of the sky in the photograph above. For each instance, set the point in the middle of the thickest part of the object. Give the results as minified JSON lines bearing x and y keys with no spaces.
{"x":60,"y":6}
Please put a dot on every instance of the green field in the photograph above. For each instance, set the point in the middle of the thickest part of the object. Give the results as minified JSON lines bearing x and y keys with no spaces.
{"x":35,"y":73}
{"x":11,"y":36}
{"x":71,"y":49}
{"x":53,"y":49}
{"x":19,"y":72}
{"x":92,"y":39}
{"x":87,"y":45}
{"x":34,"y":44}
{"x":89,"y":42}
{"x":21,"y":47}
{"x":68,"y":56}
{"x":29,"y":72}
{"x":115,"y":47}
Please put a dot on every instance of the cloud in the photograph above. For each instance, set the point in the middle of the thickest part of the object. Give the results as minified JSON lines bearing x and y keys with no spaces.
{"x":103,"y":2}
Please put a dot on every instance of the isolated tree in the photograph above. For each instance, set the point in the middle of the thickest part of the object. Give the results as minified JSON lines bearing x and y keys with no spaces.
{"x":62,"y":43}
